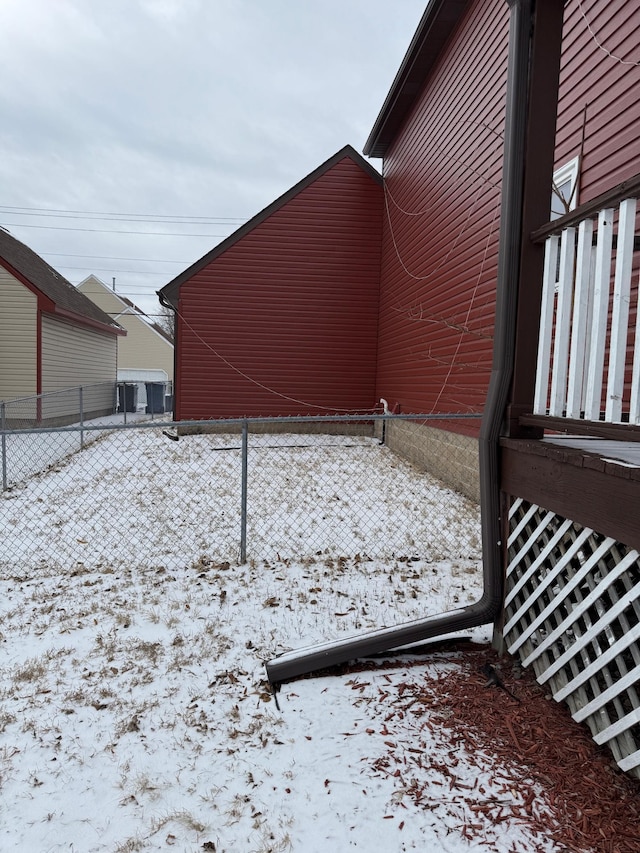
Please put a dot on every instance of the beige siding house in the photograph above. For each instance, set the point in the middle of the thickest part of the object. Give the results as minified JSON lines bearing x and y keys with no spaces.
{"x":52,"y":338}
{"x":18,"y":338}
{"x":145,"y":355}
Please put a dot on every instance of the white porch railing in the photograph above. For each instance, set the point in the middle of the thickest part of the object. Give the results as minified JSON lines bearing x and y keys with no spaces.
{"x":588,"y":364}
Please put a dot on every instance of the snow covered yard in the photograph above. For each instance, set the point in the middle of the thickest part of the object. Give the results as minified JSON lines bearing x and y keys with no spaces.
{"x":134,"y":497}
{"x":26,"y":453}
{"x":134,"y":712}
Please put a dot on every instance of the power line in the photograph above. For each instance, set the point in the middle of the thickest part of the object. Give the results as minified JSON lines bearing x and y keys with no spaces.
{"x":112,"y":258}
{"x":149,"y":216}
{"x":124,"y":292}
{"x":109,"y":269}
{"x":140,"y":312}
{"x":182,"y":220}
{"x":109,"y":231}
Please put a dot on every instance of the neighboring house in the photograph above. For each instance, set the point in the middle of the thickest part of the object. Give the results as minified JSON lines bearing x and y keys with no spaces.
{"x":281,"y":317}
{"x":440,"y":137}
{"x":51,"y":338}
{"x":145,"y":355}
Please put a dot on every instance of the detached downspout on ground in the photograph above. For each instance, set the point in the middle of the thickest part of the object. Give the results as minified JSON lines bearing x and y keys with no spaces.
{"x":532,"y":21}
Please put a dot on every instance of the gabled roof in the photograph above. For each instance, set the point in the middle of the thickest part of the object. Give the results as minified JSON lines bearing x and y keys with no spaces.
{"x":436,"y":25}
{"x":129,"y":307}
{"x":133,"y":309}
{"x":30,"y":268}
{"x":169,"y":293}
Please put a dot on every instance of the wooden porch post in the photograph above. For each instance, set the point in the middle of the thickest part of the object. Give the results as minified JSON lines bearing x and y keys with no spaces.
{"x":539,"y":144}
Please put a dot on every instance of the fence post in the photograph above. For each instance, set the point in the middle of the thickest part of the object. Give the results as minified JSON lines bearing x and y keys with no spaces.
{"x":81,"y":419}
{"x":4,"y":447}
{"x":243,"y":493}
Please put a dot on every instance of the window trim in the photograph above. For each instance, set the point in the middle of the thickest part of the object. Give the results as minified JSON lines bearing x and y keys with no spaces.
{"x":569,"y":171}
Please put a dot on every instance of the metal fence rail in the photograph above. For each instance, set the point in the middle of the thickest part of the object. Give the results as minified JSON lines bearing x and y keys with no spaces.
{"x":54,"y":408}
{"x":262,"y":489}
{"x":86,"y":409}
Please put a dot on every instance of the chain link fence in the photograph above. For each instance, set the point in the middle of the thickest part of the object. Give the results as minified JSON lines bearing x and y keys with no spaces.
{"x":22,"y":420}
{"x":54,"y":408}
{"x":147,"y":494}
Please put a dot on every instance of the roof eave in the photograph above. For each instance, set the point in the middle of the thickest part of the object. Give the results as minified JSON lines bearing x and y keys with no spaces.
{"x":66,"y":314}
{"x":439,"y":20}
{"x":45,"y":303}
{"x":41,"y":285}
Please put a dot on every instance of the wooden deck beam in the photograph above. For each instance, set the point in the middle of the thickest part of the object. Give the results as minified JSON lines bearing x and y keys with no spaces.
{"x":590,"y":490}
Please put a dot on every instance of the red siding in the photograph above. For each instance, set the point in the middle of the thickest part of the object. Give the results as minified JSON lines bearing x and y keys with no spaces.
{"x":443,"y":174}
{"x":289,"y":313}
{"x":441,"y":230}
{"x":601,"y":93}
{"x":599,"y":106}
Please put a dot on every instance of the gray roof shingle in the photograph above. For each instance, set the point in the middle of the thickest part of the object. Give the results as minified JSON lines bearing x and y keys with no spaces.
{"x":23,"y":260}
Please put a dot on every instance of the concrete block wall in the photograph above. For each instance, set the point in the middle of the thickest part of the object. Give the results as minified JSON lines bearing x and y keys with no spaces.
{"x":449,"y":456}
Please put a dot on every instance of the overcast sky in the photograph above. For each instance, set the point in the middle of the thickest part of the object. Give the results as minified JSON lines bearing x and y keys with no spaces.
{"x":194,"y":114}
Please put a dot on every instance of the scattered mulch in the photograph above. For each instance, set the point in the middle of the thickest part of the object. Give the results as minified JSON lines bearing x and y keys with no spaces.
{"x":587,"y":803}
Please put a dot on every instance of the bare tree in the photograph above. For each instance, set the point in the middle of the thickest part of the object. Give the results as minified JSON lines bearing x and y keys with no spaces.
{"x":166,"y":319}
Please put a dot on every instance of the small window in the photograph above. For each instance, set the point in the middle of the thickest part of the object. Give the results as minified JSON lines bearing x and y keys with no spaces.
{"x":564,"y":196}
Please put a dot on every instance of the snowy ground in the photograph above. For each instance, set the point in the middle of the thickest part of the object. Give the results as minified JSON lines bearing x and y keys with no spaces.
{"x":134,"y":497}
{"x":25,"y":453}
{"x":134,"y":712}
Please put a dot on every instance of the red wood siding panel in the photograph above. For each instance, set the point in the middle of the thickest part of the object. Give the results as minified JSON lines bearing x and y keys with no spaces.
{"x":599,"y":106}
{"x":440,"y":239}
{"x":285,"y":321}
{"x":600,"y":93}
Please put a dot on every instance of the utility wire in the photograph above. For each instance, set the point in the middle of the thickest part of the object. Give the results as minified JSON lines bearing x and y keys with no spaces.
{"x":109,"y":231}
{"x":203,"y":220}
{"x":256,"y":381}
{"x":112,"y":258}
{"x":149,"y":216}
{"x":110,"y":269}
{"x":602,"y":46}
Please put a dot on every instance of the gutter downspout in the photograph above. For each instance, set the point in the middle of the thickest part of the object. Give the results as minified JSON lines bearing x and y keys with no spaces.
{"x":319,"y":656}
{"x":520,"y":38}
{"x":168,"y":304}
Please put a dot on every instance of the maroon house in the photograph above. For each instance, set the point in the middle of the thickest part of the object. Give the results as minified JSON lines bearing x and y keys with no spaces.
{"x":541,"y":258}
{"x":501,"y":278}
{"x":511,"y":179}
{"x":440,"y":137}
{"x":281,"y":318}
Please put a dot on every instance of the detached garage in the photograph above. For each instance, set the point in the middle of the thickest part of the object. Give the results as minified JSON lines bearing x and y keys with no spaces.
{"x":52,"y":338}
{"x":281,"y":317}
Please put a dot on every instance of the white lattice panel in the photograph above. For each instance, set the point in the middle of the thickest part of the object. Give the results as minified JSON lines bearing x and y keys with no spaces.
{"x":572,"y":612}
